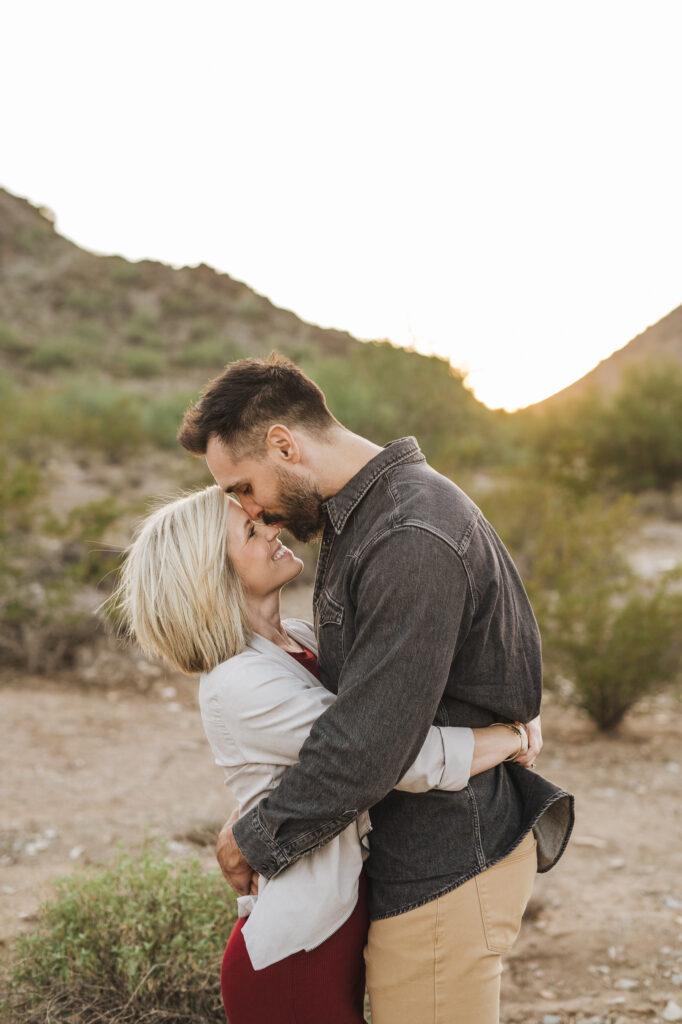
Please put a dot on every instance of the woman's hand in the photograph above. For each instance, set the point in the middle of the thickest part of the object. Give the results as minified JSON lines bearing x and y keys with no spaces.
{"x":534,"y":731}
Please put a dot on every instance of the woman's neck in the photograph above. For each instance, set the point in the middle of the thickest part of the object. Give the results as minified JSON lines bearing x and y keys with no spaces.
{"x":264,"y":615}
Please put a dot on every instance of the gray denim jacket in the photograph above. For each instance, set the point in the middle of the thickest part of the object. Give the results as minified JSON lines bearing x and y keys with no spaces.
{"x":421,"y":619}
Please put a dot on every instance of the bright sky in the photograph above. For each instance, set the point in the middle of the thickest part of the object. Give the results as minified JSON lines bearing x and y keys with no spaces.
{"x":498,"y":182}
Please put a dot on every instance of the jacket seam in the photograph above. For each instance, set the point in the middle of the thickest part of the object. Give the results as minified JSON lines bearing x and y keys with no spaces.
{"x":417,"y":525}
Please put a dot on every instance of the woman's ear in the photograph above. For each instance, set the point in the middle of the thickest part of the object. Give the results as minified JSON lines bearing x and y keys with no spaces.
{"x":283,"y":444}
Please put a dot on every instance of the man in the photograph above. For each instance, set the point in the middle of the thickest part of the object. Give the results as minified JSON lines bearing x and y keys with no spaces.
{"x":421,"y":619}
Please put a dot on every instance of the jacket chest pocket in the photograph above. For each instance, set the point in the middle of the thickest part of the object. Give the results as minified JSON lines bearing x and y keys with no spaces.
{"x":329,"y":628}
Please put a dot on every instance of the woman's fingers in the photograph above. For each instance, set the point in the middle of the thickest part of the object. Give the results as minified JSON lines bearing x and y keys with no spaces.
{"x":534,"y":731}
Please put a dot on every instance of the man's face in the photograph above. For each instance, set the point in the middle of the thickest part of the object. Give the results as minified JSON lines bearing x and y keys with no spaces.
{"x":269,"y":490}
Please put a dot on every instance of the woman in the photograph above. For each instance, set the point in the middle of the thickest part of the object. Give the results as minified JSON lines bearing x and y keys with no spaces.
{"x":201,"y":588}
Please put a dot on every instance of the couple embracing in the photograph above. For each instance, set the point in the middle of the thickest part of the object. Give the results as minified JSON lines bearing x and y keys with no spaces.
{"x":390,"y":819}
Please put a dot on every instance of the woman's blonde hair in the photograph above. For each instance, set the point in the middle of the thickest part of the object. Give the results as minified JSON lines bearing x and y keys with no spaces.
{"x":179,"y":595}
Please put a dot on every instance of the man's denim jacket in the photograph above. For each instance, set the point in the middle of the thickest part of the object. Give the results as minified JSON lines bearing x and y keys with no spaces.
{"x":421,"y":619}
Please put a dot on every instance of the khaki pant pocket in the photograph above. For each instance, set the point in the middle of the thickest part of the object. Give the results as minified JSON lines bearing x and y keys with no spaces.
{"x":503,"y":893}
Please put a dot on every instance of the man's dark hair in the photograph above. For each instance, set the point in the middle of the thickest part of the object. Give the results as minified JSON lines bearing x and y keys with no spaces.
{"x":240,"y":405}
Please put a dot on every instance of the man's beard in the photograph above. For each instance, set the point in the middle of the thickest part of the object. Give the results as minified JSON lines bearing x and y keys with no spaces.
{"x":300,"y":507}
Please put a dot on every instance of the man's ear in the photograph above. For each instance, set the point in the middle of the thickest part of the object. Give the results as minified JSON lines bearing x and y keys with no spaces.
{"x":283,"y":444}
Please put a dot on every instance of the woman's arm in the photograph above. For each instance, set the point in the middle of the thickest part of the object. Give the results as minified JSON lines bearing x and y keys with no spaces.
{"x":451,"y":755}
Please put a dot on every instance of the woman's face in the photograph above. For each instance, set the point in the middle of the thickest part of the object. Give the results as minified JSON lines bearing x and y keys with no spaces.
{"x":260,"y":559}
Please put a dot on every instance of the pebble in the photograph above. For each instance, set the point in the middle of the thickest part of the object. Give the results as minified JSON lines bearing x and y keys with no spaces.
{"x":8,"y":890}
{"x":625,"y":983}
{"x":36,"y":846}
{"x":674,"y":904}
{"x":672,"y":1011}
{"x":551,"y":1018}
{"x":617,"y":862}
{"x":677,"y":979}
{"x":75,"y":852}
{"x":546,"y":994}
{"x":174,"y":706}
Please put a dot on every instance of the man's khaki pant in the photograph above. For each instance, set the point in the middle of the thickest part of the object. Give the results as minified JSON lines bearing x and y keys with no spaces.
{"x":441,"y":963}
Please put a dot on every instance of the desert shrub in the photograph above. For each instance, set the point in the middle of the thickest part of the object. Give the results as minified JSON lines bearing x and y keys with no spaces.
{"x":629,"y":441}
{"x":93,"y":416}
{"x":12,"y":341}
{"x":179,"y":304}
{"x":48,"y":571}
{"x":616,"y":654}
{"x":142,"y":362}
{"x":211,"y":353}
{"x":139,"y":941}
{"x":613,"y":636}
{"x":87,"y":301}
{"x":143,"y":329}
{"x":162,"y":417}
{"x":124,"y":273}
{"x":59,"y":354}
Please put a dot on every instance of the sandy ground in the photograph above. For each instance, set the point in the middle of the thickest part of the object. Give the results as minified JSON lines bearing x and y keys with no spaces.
{"x":84,"y":770}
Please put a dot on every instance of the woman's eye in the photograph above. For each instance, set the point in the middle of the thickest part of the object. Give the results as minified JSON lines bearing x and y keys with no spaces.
{"x":252,"y":530}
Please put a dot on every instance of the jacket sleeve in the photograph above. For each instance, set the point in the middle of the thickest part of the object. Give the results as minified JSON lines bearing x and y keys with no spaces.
{"x":389,"y":689}
{"x":444,"y":761}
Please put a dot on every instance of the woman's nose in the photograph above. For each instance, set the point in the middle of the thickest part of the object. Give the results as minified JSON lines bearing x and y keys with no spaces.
{"x":271,"y":532}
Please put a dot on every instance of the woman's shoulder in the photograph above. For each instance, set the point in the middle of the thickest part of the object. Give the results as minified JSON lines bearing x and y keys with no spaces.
{"x":232,"y":671}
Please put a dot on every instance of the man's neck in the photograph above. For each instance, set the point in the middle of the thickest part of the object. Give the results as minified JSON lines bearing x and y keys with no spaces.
{"x":338,"y":458}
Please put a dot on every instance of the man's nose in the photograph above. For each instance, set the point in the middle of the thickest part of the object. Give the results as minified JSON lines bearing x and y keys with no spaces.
{"x":251,"y":507}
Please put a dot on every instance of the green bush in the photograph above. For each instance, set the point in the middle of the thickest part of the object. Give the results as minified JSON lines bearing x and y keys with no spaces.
{"x":86,"y":300}
{"x":124,"y":273}
{"x":59,"y":354}
{"x":142,"y":362}
{"x":211,"y":353}
{"x":631,"y":440}
{"x":11,"y":341}
{"x":613,"y":636}
{"x":161,"y":419}
{"x":143,"y":329}
{"x":140,"y":941}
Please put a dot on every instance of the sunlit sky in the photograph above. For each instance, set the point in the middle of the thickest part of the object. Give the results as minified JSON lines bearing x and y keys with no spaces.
{"x":497,"y":182}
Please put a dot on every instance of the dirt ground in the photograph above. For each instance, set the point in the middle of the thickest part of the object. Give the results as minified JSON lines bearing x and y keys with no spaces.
{"x":87,"y":769}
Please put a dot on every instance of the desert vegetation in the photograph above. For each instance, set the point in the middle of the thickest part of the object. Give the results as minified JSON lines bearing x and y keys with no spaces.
{"x":98,"y":360}
{"x":139,"y":940}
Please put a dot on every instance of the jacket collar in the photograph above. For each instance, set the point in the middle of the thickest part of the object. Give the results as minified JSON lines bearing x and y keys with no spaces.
{"x":341,"y":505}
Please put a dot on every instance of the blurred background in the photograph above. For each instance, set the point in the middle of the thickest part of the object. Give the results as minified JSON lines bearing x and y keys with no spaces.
{"x":463,"y":222}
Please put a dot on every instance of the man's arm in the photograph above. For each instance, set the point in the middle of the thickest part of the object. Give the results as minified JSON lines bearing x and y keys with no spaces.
{"x":389,"y":689}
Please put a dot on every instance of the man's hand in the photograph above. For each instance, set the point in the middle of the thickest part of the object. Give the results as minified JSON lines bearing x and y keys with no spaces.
{"x":236,"y":869}
{"x":534,"y":730}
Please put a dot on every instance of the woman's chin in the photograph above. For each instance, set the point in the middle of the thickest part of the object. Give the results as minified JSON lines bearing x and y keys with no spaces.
{"x":295,"y":567}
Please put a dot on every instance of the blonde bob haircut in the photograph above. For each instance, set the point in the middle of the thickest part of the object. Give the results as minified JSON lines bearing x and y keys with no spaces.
{"x":179,"y":595}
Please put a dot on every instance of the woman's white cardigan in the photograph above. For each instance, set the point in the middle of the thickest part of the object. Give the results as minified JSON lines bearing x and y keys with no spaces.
{"x":257,"y":710}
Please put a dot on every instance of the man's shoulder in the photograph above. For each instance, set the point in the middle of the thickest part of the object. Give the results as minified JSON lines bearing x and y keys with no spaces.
{"x":425,"y":499}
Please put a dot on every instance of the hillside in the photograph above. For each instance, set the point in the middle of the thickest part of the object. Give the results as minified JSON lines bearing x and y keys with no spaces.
{"x":63,"y":307}
{"x":660,"y":342}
